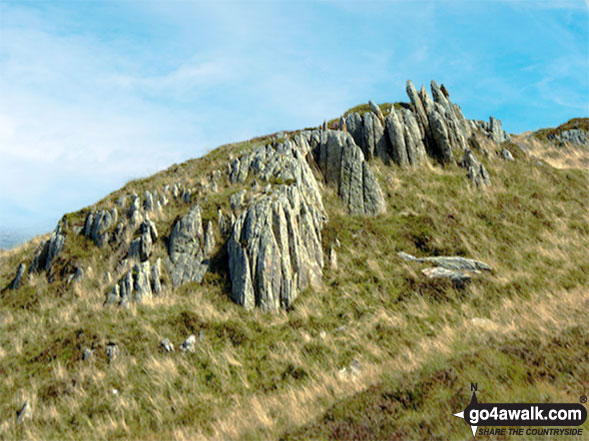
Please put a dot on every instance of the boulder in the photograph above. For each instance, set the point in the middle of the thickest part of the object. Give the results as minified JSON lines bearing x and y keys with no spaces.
{"x":476,"y":171}
{"x":167,"y":345}
{"x":449,"y":262}
{"x":189,"y":345}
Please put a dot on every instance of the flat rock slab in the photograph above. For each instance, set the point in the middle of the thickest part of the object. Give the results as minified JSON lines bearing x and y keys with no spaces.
{"x":449,"y":262}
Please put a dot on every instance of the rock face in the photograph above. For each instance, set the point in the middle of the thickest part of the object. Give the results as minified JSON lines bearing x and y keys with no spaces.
{"x":368,"y":133}
{"x":275,"y":245}
{"x":492,"y":129}
{"x":188,"y":261}
{"x":97,"y":223}
{"x":405,"y":137}
{"x":48,"y":251}
{"x":343,"y":165}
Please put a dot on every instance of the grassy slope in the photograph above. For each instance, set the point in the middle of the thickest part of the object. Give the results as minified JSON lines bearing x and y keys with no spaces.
{"x":258,"y":375}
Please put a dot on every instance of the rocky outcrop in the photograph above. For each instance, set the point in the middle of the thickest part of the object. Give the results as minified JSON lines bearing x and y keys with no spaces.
{"x":142,"y":247}
{"x":571,"y":136}
{"x":188,"y":261}
{"x":48,"y":251}
{"x":343,"y":166}
{"x":275,"y":244}
{"x":275,"y":250}
{"x":476,"y":171}
{"x":137,"y":285}
{"x":492,"y":129}
{"x":405,"y":137}
{"x":97,"y":223}
{"x":368,"y":133}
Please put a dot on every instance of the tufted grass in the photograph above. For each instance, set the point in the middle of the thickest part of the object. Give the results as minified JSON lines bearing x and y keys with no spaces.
{"x":257,"y":375}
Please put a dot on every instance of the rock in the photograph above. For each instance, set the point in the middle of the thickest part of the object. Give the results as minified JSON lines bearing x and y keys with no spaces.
{"x":201,"y":335}
{"x":142,"y":285}
{"x":115,"y":392}
{"x":156,"y":276}
{"x":460,"y":278}
{"x":148,"y":204}
{"x":25,"y":413}
{"x":236,"y":199}
{"x":87,"y":354}
{"x":376,"y":110}
{"x":167,"y":345}
{"x":449,"y":262}
{"x":332,"y":258}
{"x":476,"y":171}
{"x":112,"y":352}
{"x":189,"y":345}
{"x":188,"y":261}
{"x":97,"y":223}
{"x":48,"y":251}
{"x":497,"y":134}
{"x":343,"y":165}
{"x":368,"y":133}
{"x":209,"y":239}
{"x":571,"y":136}
{"x":223,"y":226}
{"x":148,"y":237}
{"x":77,"y":275}
{"x":16,"y":282}
{"x":275,"y":250}
{"x":506,"y":154}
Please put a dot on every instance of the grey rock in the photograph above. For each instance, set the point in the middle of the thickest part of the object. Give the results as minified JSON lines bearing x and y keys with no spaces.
{"x":25,"y":413}
{"x":571,"y":136}
{"x":142,"y":285}
{"x":16,"y":282}
{"x":236,"y":199}
{"x":223,"y":225}
{"x":275,"y":250}
{"x":48,"y":251}
{"x":188,"y":261}
{"x":149,"y":203}
{"x":497,"y":134}
{"x":189,"y":345}
{"x":376,"y":110}
{"x":368,"y":133}
{"x":167,"y":345}
{"x":343,"y":166}
{"x":449,"y":262}
{"x":459,"y":278}
{"x":209,"y":239}
{"x":156,"y":276}
{"x":506,"y":154}
{"x":332,"y":258}
{"x":476,"y":171}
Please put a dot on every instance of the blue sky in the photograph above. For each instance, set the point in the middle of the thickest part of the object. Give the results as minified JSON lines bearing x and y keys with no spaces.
{"x":93,"y":94}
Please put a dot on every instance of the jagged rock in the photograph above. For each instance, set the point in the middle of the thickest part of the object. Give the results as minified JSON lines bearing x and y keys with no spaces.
{"x":405,"y":138}
{"x":209,"y":239}
{"x":506,"y":154}
{"x":236,"y":199}
{"x":148,"y":237}
{"x":142,"y":285}
{"x":112,"y":352}
{"x":187,"y":196}
{"x":25,"y":413}
{"x":368,"y":133}
{"x":376,"y":110}
{"x":449,"y":262}
{"x":275,"y":249}
{"x":76,"y":276}
{"x":135,"y":205}
{"x":189,"y":345}
{"x":97,"y":223}
{"x":148,"y":204}
{"x":156,"y":276}
{"x":188,"y":261}
{"x":15,"y":284}
{"x":223,"y":227}
{"x":48,"y":251}
{"x":343,"y":165}
{"x":476,"y":171}
{"x":497,"y":134}
{"x":167,"y":345}
{"x":571,"y":136}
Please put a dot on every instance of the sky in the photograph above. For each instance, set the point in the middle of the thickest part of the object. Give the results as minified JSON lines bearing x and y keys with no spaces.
{"x":96,"y":93}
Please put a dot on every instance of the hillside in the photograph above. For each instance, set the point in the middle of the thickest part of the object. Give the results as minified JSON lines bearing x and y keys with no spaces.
{"x":269,"y":291}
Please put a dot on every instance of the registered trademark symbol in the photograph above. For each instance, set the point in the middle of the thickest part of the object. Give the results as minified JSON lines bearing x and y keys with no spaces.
{"x":583,"y":399}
